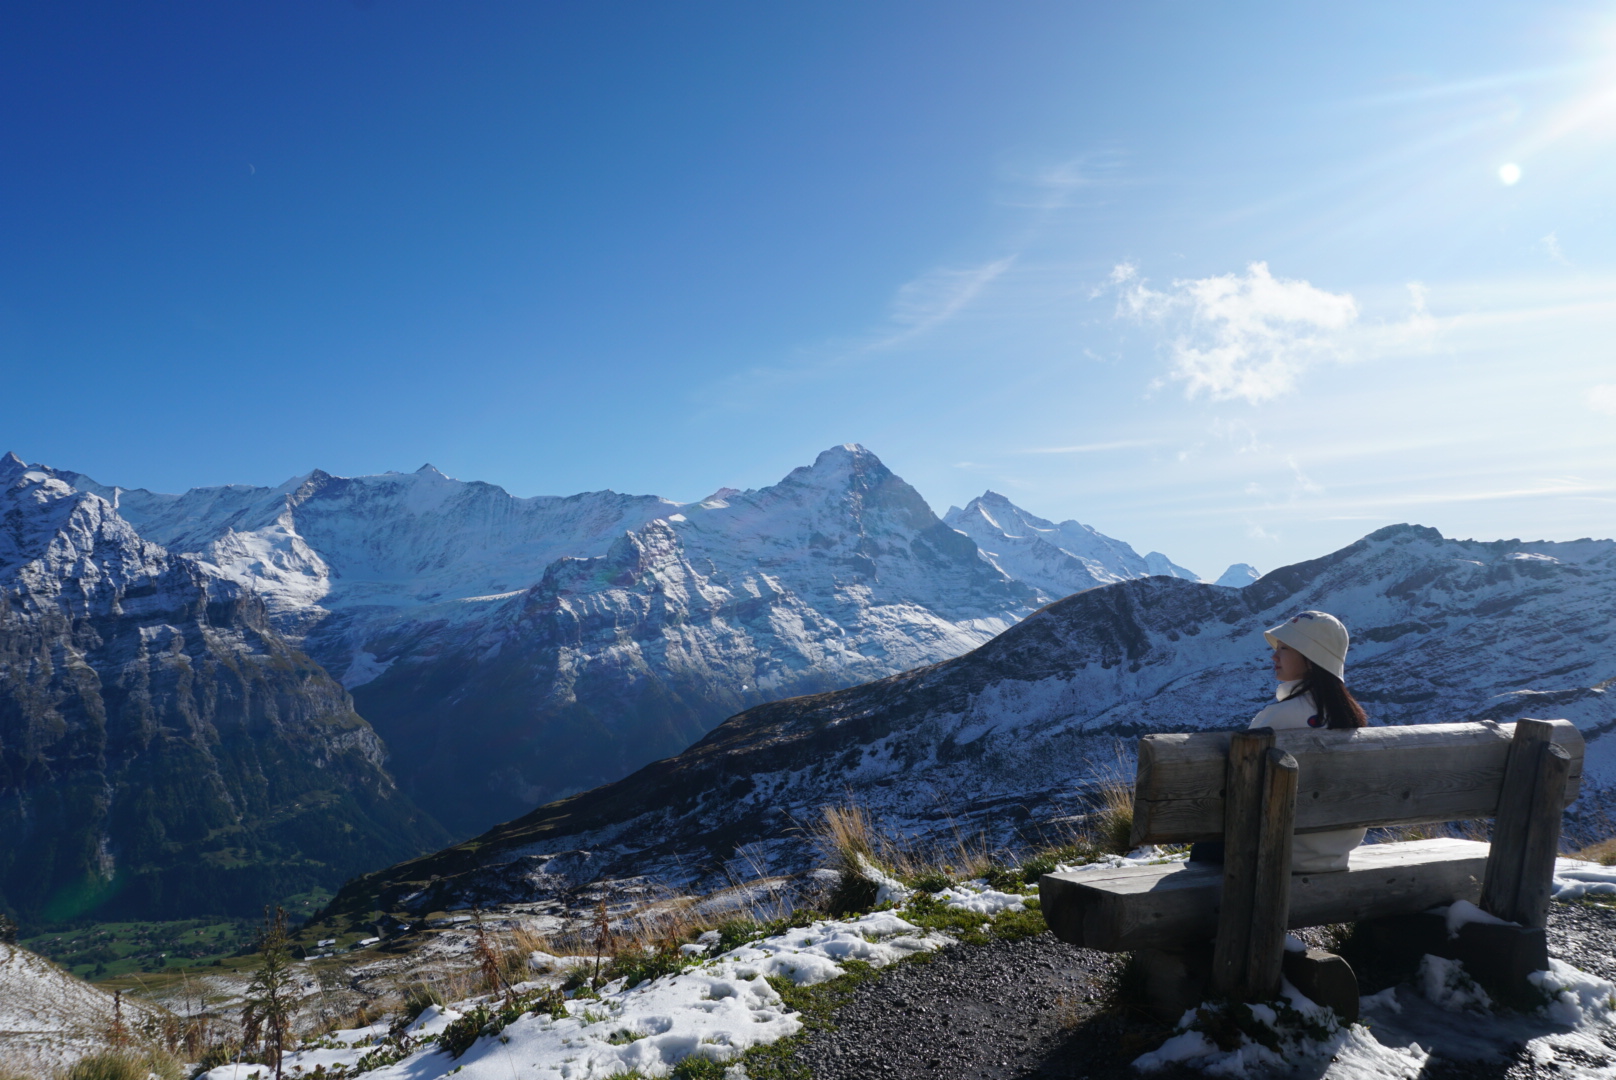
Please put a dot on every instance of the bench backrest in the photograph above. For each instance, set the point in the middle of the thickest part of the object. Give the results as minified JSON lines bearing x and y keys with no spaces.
{"x":1371,"y":776}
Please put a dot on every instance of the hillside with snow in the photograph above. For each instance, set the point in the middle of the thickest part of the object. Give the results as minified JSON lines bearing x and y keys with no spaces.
{"x":1005,"y":739}
{"x":49,"y":1019}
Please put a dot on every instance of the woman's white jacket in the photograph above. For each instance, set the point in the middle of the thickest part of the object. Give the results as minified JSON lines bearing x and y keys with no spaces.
{"x":1310,"y":852}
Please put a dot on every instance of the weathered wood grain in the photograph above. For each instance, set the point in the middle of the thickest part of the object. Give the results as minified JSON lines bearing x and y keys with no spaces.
{"x":1542,"y":838}
{"x":1501,"y":888}
{"x":1126,"y":908}
{"x":1271,"y":907}
{"x":1242,"y":823}
{"x":1371,"y":776}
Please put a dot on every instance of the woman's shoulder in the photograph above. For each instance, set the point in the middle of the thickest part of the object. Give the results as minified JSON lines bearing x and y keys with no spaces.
{"x":1296,"y":712}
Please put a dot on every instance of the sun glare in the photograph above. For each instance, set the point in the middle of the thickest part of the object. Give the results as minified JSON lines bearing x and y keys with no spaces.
{"x":1509,"y":173}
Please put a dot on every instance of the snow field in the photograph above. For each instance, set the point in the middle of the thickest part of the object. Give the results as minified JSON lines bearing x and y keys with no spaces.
{"x":1572,"y":1034}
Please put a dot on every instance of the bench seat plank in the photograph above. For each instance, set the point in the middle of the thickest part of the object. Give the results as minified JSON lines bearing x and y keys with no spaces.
{"x":1371,"y":776}
{"x":1134,"y":907}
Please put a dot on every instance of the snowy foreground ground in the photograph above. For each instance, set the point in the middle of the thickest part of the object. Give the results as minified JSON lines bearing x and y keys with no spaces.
{"x":724,"y":1005}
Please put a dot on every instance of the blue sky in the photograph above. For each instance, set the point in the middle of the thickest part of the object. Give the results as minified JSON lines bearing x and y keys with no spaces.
{"x":1234,"y":282}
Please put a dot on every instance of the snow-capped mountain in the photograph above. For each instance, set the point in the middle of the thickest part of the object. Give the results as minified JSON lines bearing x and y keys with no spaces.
{"x":836,"y":575}
{"x":163,"y":749}
{"x":1238,"y":576}
{"x":1057,"y":560}
{"x":588,"y":635}
{"x":365,"y":549}
{"x":1005,"y":738}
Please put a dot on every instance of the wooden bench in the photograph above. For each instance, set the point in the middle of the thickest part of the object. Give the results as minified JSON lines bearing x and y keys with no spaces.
{"x":1201,"y":927}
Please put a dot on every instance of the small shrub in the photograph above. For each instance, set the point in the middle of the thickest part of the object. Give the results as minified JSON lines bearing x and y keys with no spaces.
{"x":418,"y":1000}
{"x":1004,"y":878}
{"x":482,"y":1020}
{"x":1114,"y":821}
{"x":737,"y":932}
{"x":637,"y":965}
{"x":698,"y":1068}
{"x":932,"y":881}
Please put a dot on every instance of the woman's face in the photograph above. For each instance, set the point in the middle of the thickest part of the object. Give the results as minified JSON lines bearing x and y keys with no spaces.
{"x":1289,"y":664}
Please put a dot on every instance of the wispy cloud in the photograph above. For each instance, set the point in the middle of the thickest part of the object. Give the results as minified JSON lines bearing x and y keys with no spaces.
{"x":1551,"y":244}
{"x":1063,"y":184}
{"x":935,"y":297}
{"x":1093,"y":448}
{"x":1602,"y":399}
{"x":1241,"y":336}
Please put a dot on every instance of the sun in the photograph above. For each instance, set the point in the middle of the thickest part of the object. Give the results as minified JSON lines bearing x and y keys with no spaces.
{"x":1509,"y":173}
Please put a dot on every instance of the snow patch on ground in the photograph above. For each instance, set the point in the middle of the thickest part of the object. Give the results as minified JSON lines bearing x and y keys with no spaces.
{"x":1576,"y":878}
{"x":1444,"y":1016}
{"x":716,"y":1009}
{"x":977,"y":897}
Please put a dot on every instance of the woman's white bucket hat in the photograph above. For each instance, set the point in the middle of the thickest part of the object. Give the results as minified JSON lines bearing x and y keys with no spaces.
{"x":1318,"y":636}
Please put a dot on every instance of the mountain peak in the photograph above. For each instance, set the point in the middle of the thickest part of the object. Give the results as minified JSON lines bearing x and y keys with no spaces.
{"x":11,"y":464}
{"x":1238,"y":576}
{"x":842,"y":455}
{"x":432,"y":470}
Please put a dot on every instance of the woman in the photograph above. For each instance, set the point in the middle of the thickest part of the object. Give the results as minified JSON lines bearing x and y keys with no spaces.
{"x":1310,"y":653}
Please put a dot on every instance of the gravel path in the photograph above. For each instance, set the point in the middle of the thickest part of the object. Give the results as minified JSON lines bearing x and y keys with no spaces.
{"x":1014,"y":1010}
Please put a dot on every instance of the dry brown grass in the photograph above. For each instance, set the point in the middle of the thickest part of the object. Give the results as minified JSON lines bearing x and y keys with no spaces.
{"x":1603,"y":853}
{"x":1113,"y":821}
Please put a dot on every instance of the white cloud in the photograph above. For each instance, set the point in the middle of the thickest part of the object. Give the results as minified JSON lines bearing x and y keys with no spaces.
{"x":1243,"y":336}
{"x":1602,"y":399}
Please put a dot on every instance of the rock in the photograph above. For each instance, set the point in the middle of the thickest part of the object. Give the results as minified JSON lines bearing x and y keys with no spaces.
{"x":1326,"y":979}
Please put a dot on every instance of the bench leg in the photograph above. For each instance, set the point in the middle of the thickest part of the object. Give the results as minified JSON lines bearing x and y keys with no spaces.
{"x":1168,"y":982}
{"x":1259,"y":818}
{"x":1526,"y":830}
{"x":1498,"y":957}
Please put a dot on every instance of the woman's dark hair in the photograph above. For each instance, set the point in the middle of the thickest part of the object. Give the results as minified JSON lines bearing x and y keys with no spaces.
{"x":1335,"y":702}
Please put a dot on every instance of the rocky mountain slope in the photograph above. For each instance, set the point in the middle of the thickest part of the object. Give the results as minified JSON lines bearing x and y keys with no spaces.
{"x":163,"y":749}
{"x":1057,"y":560}
{"x":582,"y":637}
{"x":1006,"y":738}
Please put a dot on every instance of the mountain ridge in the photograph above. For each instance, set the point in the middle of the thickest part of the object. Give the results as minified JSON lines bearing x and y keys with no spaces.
{"x":455,"y":612}
{"x":1005,"y":738}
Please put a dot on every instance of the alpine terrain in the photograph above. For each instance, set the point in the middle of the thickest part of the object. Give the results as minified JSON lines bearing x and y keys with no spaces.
{"x":163,"y":748}
{"x":1005,"y":739}
{"x":510,"y":651}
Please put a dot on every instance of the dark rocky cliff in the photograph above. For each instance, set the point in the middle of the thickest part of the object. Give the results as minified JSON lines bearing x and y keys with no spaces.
{"x":163,"y":751}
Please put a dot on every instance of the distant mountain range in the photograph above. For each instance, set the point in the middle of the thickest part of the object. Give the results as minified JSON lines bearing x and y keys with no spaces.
{"x":170,"y":735}
{"x":1004,"y":740}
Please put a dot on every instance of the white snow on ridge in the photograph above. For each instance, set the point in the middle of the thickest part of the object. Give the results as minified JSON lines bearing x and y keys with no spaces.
{"x":1057,"y":560}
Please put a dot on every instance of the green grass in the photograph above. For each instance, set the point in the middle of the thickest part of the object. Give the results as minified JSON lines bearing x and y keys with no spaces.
{"x":105,"y":951}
